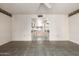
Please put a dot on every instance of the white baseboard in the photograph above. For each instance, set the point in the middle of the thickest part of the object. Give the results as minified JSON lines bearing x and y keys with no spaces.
{"x":2,"y":43}
{"x":75,"y":42}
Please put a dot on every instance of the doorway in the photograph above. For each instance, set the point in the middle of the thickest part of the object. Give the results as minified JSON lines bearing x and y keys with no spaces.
{"x":40,"y":29}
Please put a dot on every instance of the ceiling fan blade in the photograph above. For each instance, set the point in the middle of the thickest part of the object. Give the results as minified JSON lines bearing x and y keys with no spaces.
{"x":47,"y":5}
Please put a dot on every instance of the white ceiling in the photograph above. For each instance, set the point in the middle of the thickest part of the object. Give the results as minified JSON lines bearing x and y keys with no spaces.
{"x":32,"y":8}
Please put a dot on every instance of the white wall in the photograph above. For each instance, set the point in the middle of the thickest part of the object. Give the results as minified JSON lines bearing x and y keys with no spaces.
{"x":74,"y":28}
{"x":21,"y":25}
{"x":5,"y":29}
{"x":21,"y":28}
{"x":59,"y":27}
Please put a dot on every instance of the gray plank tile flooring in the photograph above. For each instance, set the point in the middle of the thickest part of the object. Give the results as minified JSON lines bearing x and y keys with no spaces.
{"x":34,"y":48}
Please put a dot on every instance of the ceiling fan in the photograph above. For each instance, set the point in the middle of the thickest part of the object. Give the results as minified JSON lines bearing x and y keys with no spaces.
{"x":47,"y":5}
{"x":43,"y":7}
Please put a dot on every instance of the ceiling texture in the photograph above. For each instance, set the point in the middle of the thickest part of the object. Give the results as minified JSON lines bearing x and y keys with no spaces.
{"x":33,"y":8}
